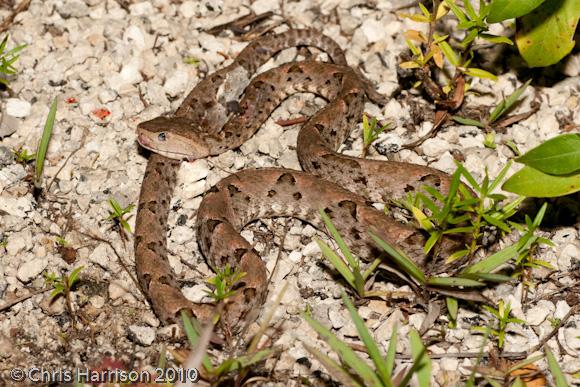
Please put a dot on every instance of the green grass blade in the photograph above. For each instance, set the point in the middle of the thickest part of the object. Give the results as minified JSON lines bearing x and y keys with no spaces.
{"x":555,"y":369}
{"x":524,"y":363}
{"x":493,"y":261}
{"x":367,"y":339}
{"x":401,"y":259}
{"x":337,"y":262}
{"x":352,"y":261}
{"x":421,"y":362}
{"x":453,"y":282}
{"x":452,"y":308}
{"x":333,"y":368}
{"x":346,"y":354}
{"x":193,"y":338}
{"x":468,"y":121}
{"x":391,"y":353}
{"x":43,"y":144}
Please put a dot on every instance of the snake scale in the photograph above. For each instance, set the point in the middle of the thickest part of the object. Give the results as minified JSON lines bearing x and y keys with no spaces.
{"x":213,"y":119}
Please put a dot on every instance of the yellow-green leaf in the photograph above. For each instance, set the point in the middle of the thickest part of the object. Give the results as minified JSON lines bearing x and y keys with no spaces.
{"x":479,"y":73}
{"x":545,"y":35}
{"x":531,"y":182}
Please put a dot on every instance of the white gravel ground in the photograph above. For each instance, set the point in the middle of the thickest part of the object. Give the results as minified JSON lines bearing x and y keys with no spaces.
{"x":112,"y":64}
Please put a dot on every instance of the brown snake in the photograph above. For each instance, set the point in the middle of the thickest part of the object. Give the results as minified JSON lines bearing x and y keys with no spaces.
{"x":210,"y":121}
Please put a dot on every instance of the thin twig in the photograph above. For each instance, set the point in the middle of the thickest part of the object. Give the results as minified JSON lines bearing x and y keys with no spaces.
{"x":559,"y":325}
{"x":23,"y":6}
{"x":18,"y":300}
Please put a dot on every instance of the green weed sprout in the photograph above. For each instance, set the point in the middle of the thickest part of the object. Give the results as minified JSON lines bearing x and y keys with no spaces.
{"x":371,"y":132}
{"x":7,"y":59}
{"x":224,"y":282}
{"x":118,"y":214}
{"x":502,"y":315}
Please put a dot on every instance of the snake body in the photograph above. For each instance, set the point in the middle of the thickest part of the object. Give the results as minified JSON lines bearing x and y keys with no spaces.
{"x":253,"y":194}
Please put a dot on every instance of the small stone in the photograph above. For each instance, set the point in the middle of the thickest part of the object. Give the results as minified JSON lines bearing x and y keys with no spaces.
{"x":434,"y":147}
{"x":142,"y":335}
{"x":311,"y":249}
{"x":196,"y":293}
{"x":31,"y":269}
{"x":101,"y":256}
{"x":8,"y":125}
{"x":6,"y":156}
{"x":562,"y":309}
{"x":374,"y":30}
{"x":97,"y":301}
{"x":187,"y":9}
{"x":17,"y":108}
{"x":73,"y":9}
{"x":19,"y":242}
{"x":192,"y":172}
{"x":537,"y":314}
{"x":177,"y":83}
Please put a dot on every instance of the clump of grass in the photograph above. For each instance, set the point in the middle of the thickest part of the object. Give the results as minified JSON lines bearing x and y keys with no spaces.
{"x":224,"y":282}
{"x":354,"y":371}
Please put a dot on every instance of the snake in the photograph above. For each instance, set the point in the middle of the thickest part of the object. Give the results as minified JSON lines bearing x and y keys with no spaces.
{"x":215,"y":117}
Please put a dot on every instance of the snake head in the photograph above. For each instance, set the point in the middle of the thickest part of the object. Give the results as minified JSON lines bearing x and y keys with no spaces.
{"x":173,"y":137}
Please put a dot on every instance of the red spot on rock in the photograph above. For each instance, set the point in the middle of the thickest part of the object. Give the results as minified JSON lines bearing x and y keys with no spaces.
{"x":71,"y":100}
{"x":101,"y":113}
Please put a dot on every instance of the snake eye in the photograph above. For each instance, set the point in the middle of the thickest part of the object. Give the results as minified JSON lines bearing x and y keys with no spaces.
{"x":162,"y":136}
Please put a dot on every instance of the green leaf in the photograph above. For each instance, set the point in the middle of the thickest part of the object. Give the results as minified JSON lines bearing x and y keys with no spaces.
{"x":391,"y":353}
{"x":456,"y":11}
{"x":555,"y":369}
{"x":401,"y":259}
{"x":193,"y":336}
{"x":479,"y":73}
{"x":496,"y":39}
{"x":509,"y":9}
{"x":367,"y":339}
{"x":468,"y":121}
{"x":43,"y":144}
{"x":493,"y":261}
{"x":352,"y":261}
{"x":453,"y":282}
{"x":452,"y":308}
{"x":546,"y":35}
{"x":74,"y":276}
{"x":449,"y":54}
{"x":557,"y":156}
{"x":347,"y":355}
{"x":533,"y":183}
{"x":421,"y":361}
{"x":337,"y":262}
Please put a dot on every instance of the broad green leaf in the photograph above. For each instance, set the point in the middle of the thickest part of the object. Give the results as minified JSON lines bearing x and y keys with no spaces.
{"x":546,"y":35}
{"x":401,"y":259}
{"x":509,"y":9}
{"x":557,"y":156}
{"x":367,"y":339}
{"x":555,"y":369}
{"x":468,"y":121}
{"x":533,"y":183}
{"x":453,"y":282}
{"x":421,"y":361}
{"x":43,"y":144}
